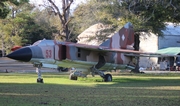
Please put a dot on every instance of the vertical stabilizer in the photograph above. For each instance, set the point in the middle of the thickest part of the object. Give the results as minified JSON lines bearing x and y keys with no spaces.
{"x":123,"y":39}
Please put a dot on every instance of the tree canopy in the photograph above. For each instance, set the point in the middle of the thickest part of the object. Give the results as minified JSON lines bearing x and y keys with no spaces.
{"x":154,"y":13}
{"x":146,"y":15}
{"x":27,"y":24}
{"x":21,"y":27}
{"x":62,"y":10}
{"x":5,"y":6}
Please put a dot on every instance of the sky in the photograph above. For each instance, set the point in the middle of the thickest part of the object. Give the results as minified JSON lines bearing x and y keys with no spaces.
{"x":74,"y":4}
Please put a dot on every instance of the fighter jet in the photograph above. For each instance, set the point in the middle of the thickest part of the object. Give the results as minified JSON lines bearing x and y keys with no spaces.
{"x":83,"y":59}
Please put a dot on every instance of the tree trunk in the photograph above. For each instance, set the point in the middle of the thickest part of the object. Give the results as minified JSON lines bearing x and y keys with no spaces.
{"x":67,"y":32}
{"x":66,"y":20}
{"x":136,"y":47}
{"x":3,"y":51}
{"x":64,"y":16}
{"x":136,"y":70}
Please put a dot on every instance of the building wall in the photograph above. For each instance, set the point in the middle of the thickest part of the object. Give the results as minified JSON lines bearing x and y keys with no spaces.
{"x":169,"y":41}
{"x":153,"y":43}
{"x":148,"y":43}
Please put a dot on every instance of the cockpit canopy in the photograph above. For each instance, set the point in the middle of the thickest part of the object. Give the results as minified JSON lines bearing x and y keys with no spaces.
{"x":43,"y":42}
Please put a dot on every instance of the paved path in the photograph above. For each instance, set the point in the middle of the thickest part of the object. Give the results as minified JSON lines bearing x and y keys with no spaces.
{"x":15,"y":66}
{"x":157,"y":71}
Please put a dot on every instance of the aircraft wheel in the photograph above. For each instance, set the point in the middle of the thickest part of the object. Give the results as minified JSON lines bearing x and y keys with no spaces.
{"x":39,"y":80}
{"x":108,"y":78}
{"x":72,"y":77}
{"x":62,"y":69}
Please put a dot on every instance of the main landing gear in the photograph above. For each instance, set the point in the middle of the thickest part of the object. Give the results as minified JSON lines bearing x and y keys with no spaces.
{"x":38,"y":71}
{"x":75,"y":74}
{"x":106,"y":77}
{"x":95,"y":69}
{"x":72,"y":77}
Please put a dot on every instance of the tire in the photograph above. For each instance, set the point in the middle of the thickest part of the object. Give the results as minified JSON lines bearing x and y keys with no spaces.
{"x":39,"y":80}
{"x":108,"y":78}
{"x":72,"y":77}
{"x":62,"y":69}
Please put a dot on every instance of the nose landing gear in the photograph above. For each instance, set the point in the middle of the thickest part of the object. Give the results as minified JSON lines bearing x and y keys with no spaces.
{"x":38,"y":71}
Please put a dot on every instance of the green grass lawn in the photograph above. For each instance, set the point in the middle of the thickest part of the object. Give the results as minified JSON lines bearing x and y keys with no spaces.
{"x":21,"y":89}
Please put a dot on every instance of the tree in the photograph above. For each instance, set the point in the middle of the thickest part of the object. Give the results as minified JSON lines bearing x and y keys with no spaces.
{"x":153,"y":14}
{"x":22,"y":28}
{"x":5,"y":6}
{"x":97,"y":11}
{"x":4,"y":10}
{"x":63,"y":13}
{"x":7,"y":40}
{"x":31,"y":30}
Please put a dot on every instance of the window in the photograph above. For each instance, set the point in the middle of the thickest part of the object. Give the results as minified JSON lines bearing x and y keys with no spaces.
{"x":79,"y":52}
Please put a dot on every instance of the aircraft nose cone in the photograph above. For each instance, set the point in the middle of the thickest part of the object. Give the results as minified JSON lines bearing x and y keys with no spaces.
{"x":23,"y":54}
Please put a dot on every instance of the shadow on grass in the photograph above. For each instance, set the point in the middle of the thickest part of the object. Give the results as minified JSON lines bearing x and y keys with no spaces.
{"x":144,"y":80}
{"x":116,"y":94}
{"x":132,"y":90}
{"x":138,"y":80}
{"x":147,"y":79}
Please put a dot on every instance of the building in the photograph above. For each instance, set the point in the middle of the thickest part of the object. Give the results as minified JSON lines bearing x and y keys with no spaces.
{"x":153,"y":43}
{"x":148,"y":42}
{"x":171,"y":37}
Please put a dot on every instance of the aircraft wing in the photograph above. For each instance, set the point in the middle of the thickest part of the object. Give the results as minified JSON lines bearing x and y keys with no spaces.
{"x":105,"y":49}
{"x":152,"y":55}
{"x":128,"y":52}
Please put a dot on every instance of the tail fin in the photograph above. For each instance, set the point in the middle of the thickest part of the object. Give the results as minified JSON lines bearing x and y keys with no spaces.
{"x":123,"y":39}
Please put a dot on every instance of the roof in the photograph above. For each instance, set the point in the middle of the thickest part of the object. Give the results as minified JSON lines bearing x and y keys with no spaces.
{"x":172,"y":29}
{"x":170,"y":51}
